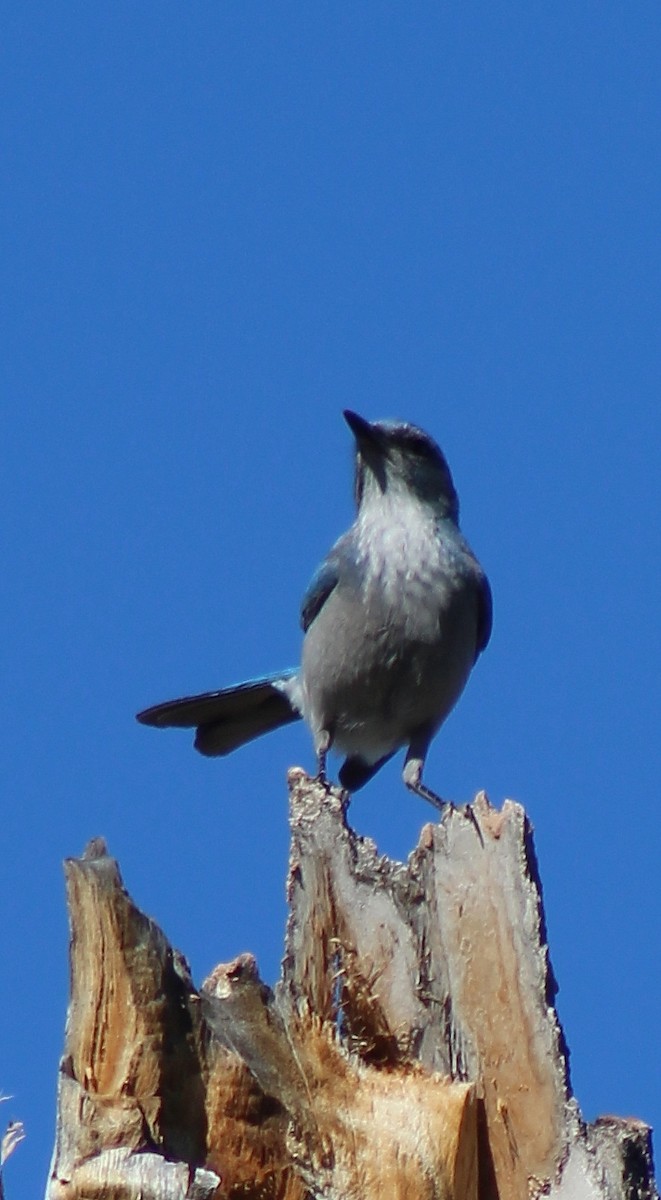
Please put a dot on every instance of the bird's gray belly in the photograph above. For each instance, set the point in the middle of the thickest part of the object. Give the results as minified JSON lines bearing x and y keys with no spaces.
{"x":371,"y":677}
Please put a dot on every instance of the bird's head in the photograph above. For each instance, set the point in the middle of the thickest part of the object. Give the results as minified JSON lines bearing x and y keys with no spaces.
{"x":396,"y":458}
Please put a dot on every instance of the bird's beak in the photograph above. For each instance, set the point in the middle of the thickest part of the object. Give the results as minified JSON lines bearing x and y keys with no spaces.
{"x":369,"y":437}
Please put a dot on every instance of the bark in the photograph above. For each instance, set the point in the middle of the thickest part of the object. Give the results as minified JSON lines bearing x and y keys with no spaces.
{"x":411,"y":1049}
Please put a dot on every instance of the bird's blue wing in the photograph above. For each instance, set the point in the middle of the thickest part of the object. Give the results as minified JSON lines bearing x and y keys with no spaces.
{"x":485,"y":616}
{"x":227,"y":704}
{"x":323,"y":582}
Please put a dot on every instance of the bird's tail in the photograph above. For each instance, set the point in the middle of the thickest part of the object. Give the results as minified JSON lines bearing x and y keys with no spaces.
{"x":227,"y":719}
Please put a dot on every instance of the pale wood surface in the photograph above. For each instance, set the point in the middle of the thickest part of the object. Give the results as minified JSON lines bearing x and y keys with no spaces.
{"x":411,"y":1049}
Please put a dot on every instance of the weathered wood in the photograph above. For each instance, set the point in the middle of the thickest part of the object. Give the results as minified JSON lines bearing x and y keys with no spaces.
{"x":410,"y":1050}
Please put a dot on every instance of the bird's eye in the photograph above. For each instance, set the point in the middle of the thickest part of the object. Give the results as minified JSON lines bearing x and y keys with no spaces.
{"x":417,"y":445}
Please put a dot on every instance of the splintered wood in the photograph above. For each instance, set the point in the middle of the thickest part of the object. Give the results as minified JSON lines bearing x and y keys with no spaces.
{"x":411,"y":1050}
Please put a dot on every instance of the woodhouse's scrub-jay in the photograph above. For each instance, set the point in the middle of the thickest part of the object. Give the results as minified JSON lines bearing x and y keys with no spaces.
{"x":394,"y":620}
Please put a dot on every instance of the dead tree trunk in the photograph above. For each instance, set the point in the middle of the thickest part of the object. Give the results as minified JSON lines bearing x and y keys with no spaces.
{"x":411,"y":1050}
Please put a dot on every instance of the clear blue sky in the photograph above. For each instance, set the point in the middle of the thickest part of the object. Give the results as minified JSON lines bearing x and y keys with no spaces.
{"x":223,"y":223}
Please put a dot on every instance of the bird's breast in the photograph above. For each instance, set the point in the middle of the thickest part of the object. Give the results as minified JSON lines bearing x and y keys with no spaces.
{"x":406,"y":571}
{"x":394,"y":644}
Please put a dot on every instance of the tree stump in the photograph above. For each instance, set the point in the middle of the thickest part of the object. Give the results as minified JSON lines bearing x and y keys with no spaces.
{"x":410,"y":1051}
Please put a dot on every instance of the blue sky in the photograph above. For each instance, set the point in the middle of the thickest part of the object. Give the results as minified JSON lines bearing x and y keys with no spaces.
{"x":223,"y":224}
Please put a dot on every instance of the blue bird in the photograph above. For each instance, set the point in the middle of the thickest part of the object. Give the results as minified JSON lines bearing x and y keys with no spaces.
{"x":394,"y":620}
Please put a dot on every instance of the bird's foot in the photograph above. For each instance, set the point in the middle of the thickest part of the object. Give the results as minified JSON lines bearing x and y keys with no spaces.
{"x":413,"y":781}
{"x":425,"y":793}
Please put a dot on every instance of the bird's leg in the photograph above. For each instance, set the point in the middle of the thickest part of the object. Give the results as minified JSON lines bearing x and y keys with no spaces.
{"x":322,"y":748}
{"x":412,"y":774}
{"x":426,"y":793}
{"x":415,"y":761}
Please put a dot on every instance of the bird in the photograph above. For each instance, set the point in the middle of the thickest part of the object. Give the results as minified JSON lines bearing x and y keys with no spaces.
{"x":393,"y":620}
